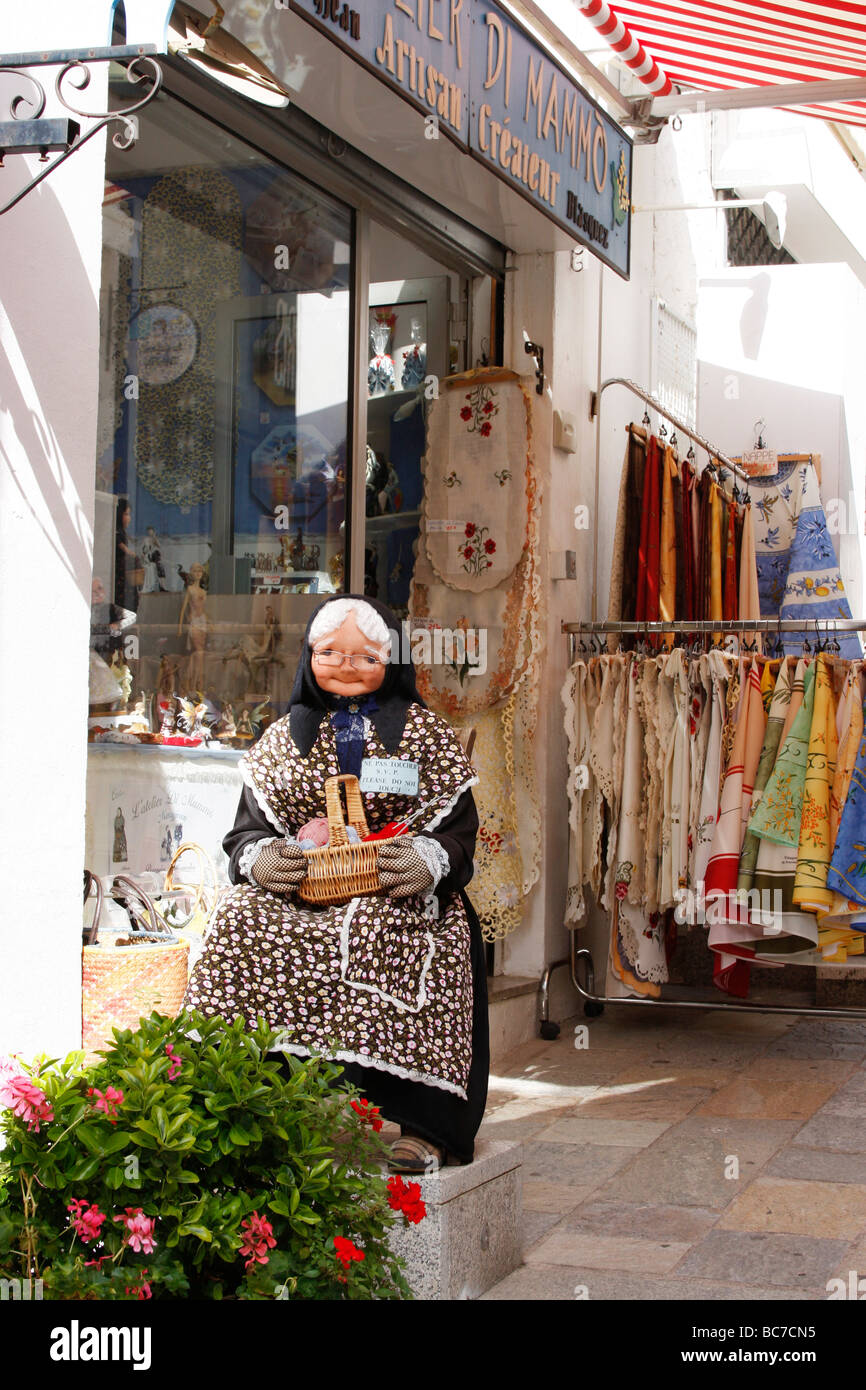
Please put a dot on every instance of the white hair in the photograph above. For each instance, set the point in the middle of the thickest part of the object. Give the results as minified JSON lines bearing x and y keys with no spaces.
{"x":332,"y":616}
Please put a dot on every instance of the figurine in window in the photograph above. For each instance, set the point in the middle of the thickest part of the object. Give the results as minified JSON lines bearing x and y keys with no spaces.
{"x":193,"y":609}
{"x":154,"y":569}
{"x":128,"y":569}
{"x":122,"y":675}
{"x":120,"y":853}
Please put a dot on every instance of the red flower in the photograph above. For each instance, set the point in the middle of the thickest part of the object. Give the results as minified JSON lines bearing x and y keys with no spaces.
{"x":139,"y":1230}
{"x":466,"y":413}
{"x":467,"y":553}
{"x":142,"y":1289}
{"x":490,"y":546}
{"x":488,"y":407}
{"x":258,"y":1238}
{"x":346,"y":1252}
{"x":108,"y":1102}
{"x":175,"y":1065}
{"x":86,"y":1223}
{"x":470,"y":529}
{"x":367,"y":1113}
{"x":620,"y":890}
{"x":406,"y":1197}
{"x":485,"y":428}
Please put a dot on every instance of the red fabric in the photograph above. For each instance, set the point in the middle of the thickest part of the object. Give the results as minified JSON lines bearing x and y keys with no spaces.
{"x":649,"y":553}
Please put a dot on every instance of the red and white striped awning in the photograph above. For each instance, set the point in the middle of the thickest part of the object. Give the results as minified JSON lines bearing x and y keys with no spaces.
{"x":703,"y":44}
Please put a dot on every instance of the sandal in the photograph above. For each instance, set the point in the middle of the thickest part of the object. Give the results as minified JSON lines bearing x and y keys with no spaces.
{"x":410,"y":1154}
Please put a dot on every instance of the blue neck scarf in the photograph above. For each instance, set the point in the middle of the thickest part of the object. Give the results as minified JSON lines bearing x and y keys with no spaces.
{"x":348,"y":724}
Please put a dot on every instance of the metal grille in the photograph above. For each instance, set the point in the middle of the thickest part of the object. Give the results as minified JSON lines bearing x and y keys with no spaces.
{"x":674,"y":362}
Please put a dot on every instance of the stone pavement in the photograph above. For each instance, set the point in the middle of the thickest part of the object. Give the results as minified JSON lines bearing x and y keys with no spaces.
{"x":687,"y":1155}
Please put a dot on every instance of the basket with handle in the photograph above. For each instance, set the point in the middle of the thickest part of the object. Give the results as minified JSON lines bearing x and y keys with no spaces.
{"x":342,"y":870}
{"x":122,"y":983}
{"x":204,"y":895}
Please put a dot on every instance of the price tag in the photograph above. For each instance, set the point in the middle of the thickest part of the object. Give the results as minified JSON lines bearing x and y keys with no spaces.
{"x":435,"y":524}
{"x":395,"y":775}
{"x":760,"y":463}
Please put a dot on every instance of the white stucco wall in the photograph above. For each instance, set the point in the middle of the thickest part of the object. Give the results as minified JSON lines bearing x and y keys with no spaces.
{"x":50,"y":248}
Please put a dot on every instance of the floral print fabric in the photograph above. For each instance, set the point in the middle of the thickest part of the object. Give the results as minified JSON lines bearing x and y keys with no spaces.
{"x":381,"y":981}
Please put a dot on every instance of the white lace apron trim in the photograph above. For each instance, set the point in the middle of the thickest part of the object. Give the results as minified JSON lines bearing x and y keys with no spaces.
{"x":437,"y":861}
{"x":374,"y":989}
{"x":261,"y":801}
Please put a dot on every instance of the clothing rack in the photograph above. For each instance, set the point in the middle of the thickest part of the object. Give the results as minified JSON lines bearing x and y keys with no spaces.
{"x":594,"y":1003}
{"x":649,"y":399}
{"x":824,"y":627}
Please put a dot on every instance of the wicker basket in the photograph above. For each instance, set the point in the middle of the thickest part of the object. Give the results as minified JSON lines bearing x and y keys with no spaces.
{"x":342,"y":870}
{"x":123,"y":983}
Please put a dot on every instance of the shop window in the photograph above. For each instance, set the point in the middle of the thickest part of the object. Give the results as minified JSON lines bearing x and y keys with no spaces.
{"x":417,"y":336}
{"x":223,"y":457}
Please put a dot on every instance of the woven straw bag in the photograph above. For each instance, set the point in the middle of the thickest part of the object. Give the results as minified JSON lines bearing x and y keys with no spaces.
{"x":342,"y":870}
{"x":122,"y":983}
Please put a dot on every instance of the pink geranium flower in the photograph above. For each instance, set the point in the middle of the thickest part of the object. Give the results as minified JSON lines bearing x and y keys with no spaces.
{"x":107,"y":1101}
{"x":22,"y":1096}
{"x":86,"y":1220}
{"x":139,"y":1230}
{"x":175,"y":1065}
{"x":143,"y":1290}
{"x":258,"y":1238}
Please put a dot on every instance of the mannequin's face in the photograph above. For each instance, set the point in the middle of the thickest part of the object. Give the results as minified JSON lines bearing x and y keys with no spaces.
{"x":342,"y":679}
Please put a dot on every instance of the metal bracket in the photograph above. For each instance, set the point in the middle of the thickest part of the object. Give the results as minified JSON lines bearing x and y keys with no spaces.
{"x":26,"y":132}
{"x":537,"y":351}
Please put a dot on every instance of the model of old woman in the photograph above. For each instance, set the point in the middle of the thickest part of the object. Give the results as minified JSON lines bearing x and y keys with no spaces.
{"x":393,"y":984}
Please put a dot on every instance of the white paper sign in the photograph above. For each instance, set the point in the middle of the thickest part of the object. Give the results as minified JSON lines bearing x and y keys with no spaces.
{"x":395,"y":775}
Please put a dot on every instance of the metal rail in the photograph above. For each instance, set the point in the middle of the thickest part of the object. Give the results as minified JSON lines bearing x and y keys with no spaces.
{"x":680,"y":425}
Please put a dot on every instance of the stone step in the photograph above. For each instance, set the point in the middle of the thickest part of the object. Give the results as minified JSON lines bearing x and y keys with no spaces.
{"x":470,"y":1237}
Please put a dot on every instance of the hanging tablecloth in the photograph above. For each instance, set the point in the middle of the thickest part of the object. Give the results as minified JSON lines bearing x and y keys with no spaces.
{"x":475,"y":519}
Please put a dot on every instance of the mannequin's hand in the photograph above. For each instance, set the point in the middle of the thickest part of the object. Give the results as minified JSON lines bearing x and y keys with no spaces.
{"x":401,"y":869}
{"x":279,"y":867}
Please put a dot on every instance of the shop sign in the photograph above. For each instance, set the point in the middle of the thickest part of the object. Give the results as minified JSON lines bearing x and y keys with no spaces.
{"x":495,"y":92}
{"x":421,"y":47}
{"x":539,"y":131}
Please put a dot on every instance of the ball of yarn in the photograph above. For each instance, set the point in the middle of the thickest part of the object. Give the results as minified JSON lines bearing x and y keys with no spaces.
{"x":315,"y":830}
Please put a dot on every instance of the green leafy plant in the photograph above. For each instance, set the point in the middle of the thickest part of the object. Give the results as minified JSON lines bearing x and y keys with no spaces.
{"x":188,"y":1163}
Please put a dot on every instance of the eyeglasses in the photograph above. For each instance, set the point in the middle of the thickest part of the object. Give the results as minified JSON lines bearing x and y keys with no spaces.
{"x":357,"y":660}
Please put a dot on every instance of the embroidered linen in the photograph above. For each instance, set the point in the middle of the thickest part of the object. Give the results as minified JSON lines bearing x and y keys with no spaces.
{"x":474,"y":512}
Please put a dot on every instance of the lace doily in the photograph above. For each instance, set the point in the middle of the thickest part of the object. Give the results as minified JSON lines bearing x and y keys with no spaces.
{"x":497,"y":886}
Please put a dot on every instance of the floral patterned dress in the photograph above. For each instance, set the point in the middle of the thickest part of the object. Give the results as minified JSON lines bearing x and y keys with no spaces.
{"x":384,"y":982}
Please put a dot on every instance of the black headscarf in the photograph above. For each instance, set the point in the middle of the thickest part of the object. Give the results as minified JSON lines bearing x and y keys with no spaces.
{"x":308,"y":703}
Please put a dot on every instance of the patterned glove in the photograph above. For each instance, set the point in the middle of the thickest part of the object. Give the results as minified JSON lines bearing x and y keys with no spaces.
{"x":279,"y":867}
{"x":402,"y":869}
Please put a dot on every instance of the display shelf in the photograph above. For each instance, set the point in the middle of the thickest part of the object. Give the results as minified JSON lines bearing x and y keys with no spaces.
{"x":393,"y":521}
{"x":230,"y":755}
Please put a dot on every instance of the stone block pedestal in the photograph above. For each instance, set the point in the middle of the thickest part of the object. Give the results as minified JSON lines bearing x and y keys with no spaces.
{"x":470,"y":1237}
